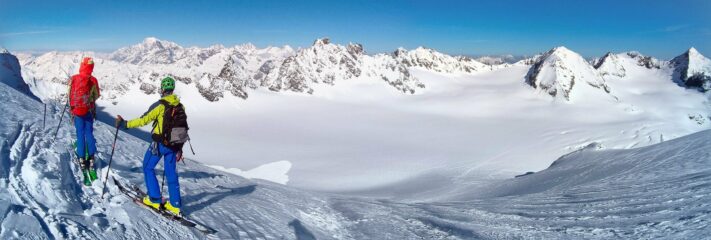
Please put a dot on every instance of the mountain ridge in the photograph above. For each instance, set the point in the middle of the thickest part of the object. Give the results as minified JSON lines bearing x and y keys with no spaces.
{"x":218,"y":71}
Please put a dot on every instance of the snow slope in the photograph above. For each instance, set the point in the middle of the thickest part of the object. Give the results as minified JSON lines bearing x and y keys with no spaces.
{"x":655,"y":192}
{"x":659,"y":191}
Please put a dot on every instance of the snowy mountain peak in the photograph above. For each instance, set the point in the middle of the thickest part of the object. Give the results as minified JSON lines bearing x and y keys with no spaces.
{"x":692,"y":69}
{"x":562,"y":50}
{"x":150,"y":40}
{"x":599,"y":61}
{"x":248,"y":46}
{"x":322,"y":41}
{"x":431,"y":59}
{"x":645,"y":61}
{"x":609,"y":65}
{"x":557,"y":71}
{"x":355,"y":49}
{"x":3,"y":50}
{"x":399,"y":52}
{"x":150,"y":51}
{"x":424,"y":49}
{"x":693,"y":50}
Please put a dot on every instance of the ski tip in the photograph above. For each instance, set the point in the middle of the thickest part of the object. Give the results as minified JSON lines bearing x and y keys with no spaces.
{"x":208,"y":231}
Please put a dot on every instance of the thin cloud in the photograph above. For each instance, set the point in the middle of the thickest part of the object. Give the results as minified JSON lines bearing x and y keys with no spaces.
{"x":25,"y":33}
{"x":674,"y":28}
{"x":670,"y":29}
{"x":478,"y":41}
{"x":270,"y":31}
{"x":666,"y":29}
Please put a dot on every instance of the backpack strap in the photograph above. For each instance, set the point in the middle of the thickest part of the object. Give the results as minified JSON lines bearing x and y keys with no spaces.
{"x":69,"y":90}
{"x":155,"y":123}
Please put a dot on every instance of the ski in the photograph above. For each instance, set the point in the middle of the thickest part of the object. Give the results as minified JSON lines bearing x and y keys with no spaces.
{"x":135,"y":194}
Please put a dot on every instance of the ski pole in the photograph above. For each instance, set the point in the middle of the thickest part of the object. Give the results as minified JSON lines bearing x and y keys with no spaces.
{"x":65,"y":105}
{"x":60,"y":122}
{"x":44,"y":117}
{"x":111,"y":158}
{"x":191,"y":147}
{"x":163,"y":182}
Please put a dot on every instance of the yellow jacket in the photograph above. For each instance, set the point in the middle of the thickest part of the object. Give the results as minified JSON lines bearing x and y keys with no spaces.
{"x":154,"y":115}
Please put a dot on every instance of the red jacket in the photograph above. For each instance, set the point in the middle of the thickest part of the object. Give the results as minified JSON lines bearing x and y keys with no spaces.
{"x":78,"y":88}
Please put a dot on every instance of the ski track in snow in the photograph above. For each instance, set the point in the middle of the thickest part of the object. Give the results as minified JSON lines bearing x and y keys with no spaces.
{"x":659,"y":191}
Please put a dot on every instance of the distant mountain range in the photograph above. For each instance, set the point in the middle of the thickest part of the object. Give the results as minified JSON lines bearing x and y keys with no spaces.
{"x":217,"y":71}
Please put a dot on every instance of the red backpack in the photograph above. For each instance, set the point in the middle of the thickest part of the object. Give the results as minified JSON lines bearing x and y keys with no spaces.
{"x":80,"y":94}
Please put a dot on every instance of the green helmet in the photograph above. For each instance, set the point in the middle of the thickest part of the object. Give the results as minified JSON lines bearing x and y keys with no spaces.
{"x":167,"y":83}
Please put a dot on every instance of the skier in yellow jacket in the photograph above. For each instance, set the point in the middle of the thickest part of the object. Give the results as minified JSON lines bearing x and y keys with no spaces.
{"x":161,"y":147}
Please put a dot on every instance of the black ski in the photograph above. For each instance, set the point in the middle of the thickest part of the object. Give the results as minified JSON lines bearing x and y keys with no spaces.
{"x":137,"y":194}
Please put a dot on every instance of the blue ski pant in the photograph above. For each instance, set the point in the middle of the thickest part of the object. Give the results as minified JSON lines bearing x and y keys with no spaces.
{"x":153,"y":155}
{"x":84,"y":126}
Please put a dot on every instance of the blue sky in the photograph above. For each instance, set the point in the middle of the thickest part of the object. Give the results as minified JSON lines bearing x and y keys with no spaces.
{"x":658,"y":28}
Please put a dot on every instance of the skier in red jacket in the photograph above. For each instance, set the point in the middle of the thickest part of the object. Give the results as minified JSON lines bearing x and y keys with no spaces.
{"x":83,"y":92}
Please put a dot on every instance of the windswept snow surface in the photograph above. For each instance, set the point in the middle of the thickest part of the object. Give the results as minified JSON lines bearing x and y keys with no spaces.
{"x":659,"y":191}
{"x":655,"y":192}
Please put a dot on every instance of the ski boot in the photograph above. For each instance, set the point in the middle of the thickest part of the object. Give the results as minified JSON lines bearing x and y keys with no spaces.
{"x":92,"y":169}
{"x":85,"y":172}
{"x":173,"y":210}
{"x":147,"y":201}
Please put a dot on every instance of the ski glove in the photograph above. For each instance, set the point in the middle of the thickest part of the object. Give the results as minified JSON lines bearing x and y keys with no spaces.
{"x":119,"y":120}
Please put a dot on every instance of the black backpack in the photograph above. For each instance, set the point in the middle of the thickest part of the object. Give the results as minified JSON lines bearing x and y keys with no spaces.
{"x":175,"y":127}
